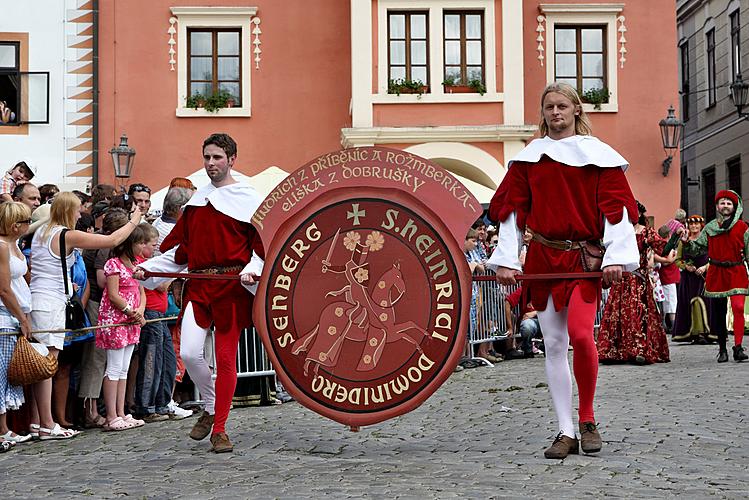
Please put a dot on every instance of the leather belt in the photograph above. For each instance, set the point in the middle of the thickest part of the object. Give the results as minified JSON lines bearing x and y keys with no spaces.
{"x":218,"y":270}
{"x":725,"y":263}
{"x":565,"y":245}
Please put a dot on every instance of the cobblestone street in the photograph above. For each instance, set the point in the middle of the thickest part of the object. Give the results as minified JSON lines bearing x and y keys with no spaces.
{"x":675,"y":429}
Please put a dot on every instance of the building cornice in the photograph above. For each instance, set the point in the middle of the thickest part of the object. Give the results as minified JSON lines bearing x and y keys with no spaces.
{"x":580,"y":7}
{"x":214,"y":11}
{"x":368,"y":136}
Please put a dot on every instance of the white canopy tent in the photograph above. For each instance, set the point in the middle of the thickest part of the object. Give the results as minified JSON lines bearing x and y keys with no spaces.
{"x":269,"y":178}
{"x":264,"y":182}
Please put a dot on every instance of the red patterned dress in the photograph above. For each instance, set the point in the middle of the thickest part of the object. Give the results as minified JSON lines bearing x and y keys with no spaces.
{"x":631,"y":325}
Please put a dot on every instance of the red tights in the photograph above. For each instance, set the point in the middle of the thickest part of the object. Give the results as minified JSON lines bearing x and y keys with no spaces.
{"x":227,"y":343}
{"x":580,"y":319}
{"x":737,"y":307}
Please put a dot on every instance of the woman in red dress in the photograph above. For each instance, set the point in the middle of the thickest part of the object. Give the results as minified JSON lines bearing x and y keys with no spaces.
{"x":631,"y":328}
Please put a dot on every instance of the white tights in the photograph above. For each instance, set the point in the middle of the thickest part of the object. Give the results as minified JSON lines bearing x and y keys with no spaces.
{"x":192,"y":349}
{"x":556,"y":343}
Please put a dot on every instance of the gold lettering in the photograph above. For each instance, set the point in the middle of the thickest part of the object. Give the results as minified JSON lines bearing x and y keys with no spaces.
{"x":341,"y":394}
{"x":378,"y":398}
{"x":437,"y":336}
{"x":329,"y":388}
{"x":402,"y":386}
{"x":443,"y":320}
{"x":444,"y":289}
{"x":354,"y":392}
{"x":288,"y":264}
{"x":313,"y":235}
{"x":299,"y":247}
{"x":280,"y":323}
{"x":283,"y":281}
{"x":423,"y":243}
{"x":425,"y":363}
{"x":276,"y":299}
{"x":442,"y":266}
{"x":285,"y":340}
{"x":391,"y":216}
{"x":410,"y":226}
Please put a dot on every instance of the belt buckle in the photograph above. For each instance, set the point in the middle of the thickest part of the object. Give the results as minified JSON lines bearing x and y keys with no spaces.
{"x":568,"y":245}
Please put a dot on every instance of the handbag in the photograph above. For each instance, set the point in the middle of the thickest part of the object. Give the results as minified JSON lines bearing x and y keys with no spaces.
{"x":27,"y":366}
{"x":591,"y":255}
{"x":75,"y":313}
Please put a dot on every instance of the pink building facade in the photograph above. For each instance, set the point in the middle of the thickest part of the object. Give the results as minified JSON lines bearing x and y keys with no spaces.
{"x":305,"y":78}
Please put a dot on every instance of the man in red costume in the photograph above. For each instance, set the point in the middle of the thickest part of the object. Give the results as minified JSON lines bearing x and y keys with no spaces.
{"x":568,"y":188}
{"x":727,"y":241}
{"x":214,"y":235}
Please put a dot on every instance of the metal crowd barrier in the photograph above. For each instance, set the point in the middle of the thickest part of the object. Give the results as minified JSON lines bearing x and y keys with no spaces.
{"x":491,"y":319}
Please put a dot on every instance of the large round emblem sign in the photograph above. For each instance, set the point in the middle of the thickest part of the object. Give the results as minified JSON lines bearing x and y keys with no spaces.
{"x":363,"y":304}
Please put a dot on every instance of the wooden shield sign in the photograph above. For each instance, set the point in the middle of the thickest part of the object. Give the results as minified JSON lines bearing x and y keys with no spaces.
{"x":364,"y":301}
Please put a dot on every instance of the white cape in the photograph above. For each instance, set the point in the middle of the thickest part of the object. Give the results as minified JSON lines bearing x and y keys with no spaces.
{"x":575,"y":151}
{"x":239,"y":201}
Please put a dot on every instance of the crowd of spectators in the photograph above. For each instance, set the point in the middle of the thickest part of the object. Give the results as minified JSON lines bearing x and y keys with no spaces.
{"x":122,"y":375}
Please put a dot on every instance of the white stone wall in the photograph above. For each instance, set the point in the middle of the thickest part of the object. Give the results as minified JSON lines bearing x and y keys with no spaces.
{"x":44,"y":147}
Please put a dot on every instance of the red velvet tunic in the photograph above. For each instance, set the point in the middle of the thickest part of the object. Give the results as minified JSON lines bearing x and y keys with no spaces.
{"x":208,"y":238}
{"x":561,"y":202}
{"x":727,"y":247}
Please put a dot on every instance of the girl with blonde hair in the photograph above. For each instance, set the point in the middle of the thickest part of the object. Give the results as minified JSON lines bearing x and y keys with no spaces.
{"x":48,"y":295}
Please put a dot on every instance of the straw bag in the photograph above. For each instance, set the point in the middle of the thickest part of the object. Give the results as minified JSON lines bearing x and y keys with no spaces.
{"x":27,"y":366}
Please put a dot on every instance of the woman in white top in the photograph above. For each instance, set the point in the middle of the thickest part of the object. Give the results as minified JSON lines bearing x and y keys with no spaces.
{"x":15,"y":305}
{"x":48,"y":292}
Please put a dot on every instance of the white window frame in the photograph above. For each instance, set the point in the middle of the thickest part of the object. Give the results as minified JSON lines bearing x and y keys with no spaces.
{"x":436,"y":9}
{"x":213,"y":17}
{"x":581,"y":14}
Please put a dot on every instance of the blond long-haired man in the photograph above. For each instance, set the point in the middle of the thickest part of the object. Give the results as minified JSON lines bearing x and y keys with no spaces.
{"x":568,"y":188}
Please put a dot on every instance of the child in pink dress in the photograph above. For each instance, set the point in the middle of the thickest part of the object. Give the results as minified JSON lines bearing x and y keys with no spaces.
{"x":124,"y":302}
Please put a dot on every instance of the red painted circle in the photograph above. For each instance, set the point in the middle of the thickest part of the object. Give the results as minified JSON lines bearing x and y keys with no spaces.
{"x":364,"y":305}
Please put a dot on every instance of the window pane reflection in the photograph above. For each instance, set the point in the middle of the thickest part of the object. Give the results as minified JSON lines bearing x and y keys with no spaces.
{"x":397,"y":52}
{"x":201,"y":68}
{"x":592,"y":40}
{"x":452,"y":52}
{"x":452,"y":26}
{"x":228,"y":68}
{"x":473,"y":26}
{"x":201,"y":43}
{"x":473,"y":52}
{"x":566,"y":64}
{"x":418,"y":26}
{"x":592,"y":64}
{"x":397,"y":26}
{"x":564,"y":40}
{"x":228,"y":44}
{"x":418,"y":52}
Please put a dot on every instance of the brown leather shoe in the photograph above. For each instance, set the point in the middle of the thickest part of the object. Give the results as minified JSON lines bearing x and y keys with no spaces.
{"x":590,"y":439}
{"x":221,"y":443}
{"x":202,"y":427}
{"x":562,"y":446}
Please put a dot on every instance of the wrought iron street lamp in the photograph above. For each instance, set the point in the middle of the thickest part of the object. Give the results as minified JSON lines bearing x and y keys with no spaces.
{"x":740,"y":95}
{"x":123,"y":157}
{"x":671,"y":128}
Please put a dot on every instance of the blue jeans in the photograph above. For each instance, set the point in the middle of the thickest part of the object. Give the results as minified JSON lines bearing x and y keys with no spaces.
{"x":529,"y":328}
{"x":157,"y":367}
